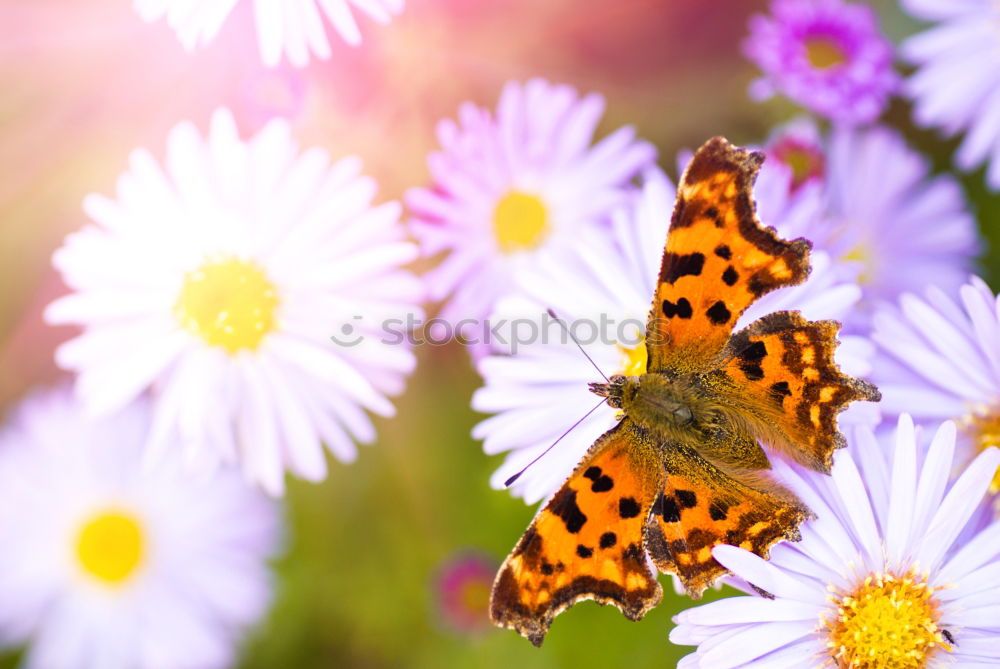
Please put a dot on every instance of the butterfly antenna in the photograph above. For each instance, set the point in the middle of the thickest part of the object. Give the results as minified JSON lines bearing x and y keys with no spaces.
{"x":516,"y":476}
{"x":559,"y":320}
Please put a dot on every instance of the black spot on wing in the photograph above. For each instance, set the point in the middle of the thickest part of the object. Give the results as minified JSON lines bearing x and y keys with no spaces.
{"x":681,"y":310}
{"x":749,"y":360}
{"x":608,"y":539}
{"x":601,"y":482}
{"x":723,"y":252}
{"x":628,"y":507}
{"x":675,"y":266}
{"x":686,"y":498}
{"x":583,"y":551}
{"x":780,"y":390}
{"x":718,"y":313}
{"x":667,"y":508}
{"x":564,"y":505}
{"x":755,"y":352}
{"x":717,"y":510}
{"x":730,"y":276}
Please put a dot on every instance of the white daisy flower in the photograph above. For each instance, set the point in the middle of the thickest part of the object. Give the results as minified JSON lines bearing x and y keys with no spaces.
{"x":881,"y":578}
{"x":107,"y":564}
{"x":939,"y":358}
{"x":956,"y":86}
{"x":513,"y":191}
{"x":293,"y":28}
{"x":538,"y":386}
{"x":218,"y":283}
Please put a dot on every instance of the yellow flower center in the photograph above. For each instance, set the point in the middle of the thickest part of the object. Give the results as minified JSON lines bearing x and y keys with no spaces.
{"x":823,"y":52}
{"x":801,"y":163}
{"x":861,"y":254}
{"x":228,"y":303}
{"x":110,"y":546}
{"x":475,"y":597}
{"x":520,"y":222}
{"x":983,"y":425}
{"x":633,"y":359}
{"x":887,"y":622}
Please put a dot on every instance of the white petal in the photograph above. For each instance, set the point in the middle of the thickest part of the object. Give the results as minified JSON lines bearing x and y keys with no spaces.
{"x":752,"y":642}
{"x":766,"y":576}
{"x":902,"y":490}
{"x":958,"y":505}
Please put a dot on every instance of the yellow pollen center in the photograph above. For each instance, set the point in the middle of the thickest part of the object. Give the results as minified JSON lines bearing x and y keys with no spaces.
{"x":804,"y":164}
{"x":520,"y":222}
{"x":861,"y":254}
{"x":228,"y":303}
{"x":887,"y":622}
{"x":823,"y":53}
{"x":984,"y":427}
{"x":633,"y":359}
{"x":475,"y":597}
{"x":109,"y":546}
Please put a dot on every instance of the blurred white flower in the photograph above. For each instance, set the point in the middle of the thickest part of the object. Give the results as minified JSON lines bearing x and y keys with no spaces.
{"x":218,"y":285}
{"x":939,"y":358}
{"x":110,"y":565}
{"x":294,"y":28}
{"x":956,"y":84}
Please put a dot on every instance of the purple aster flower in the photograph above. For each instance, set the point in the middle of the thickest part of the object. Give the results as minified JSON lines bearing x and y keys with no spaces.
{"x":826,"y":55}
{"x":884,"y":219}
{"x":799,"y":146}
{"x":462,"y":590}
{"x":896,"y":571}
{"x":957,"y":83}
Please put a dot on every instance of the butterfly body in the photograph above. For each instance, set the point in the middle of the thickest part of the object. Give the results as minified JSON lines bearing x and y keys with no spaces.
{"x":683,"y":470}
{"x":688,"y":409}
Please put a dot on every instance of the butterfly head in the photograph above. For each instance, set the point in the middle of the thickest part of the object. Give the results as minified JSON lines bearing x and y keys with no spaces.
{"x":616,"y":390}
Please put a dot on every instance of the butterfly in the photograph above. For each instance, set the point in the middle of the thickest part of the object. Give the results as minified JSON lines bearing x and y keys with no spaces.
{"x":683,"y":470}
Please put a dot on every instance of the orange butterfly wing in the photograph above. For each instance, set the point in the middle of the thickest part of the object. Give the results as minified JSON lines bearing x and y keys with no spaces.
{"x":718,"y":260}
{"x":587,"y":542}
{"x":702,"y":506}
{"x":781,"y":370}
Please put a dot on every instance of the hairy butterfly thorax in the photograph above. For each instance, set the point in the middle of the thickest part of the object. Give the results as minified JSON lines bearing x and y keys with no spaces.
{"x":683,"y":470}
{"x":671,"y":407}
